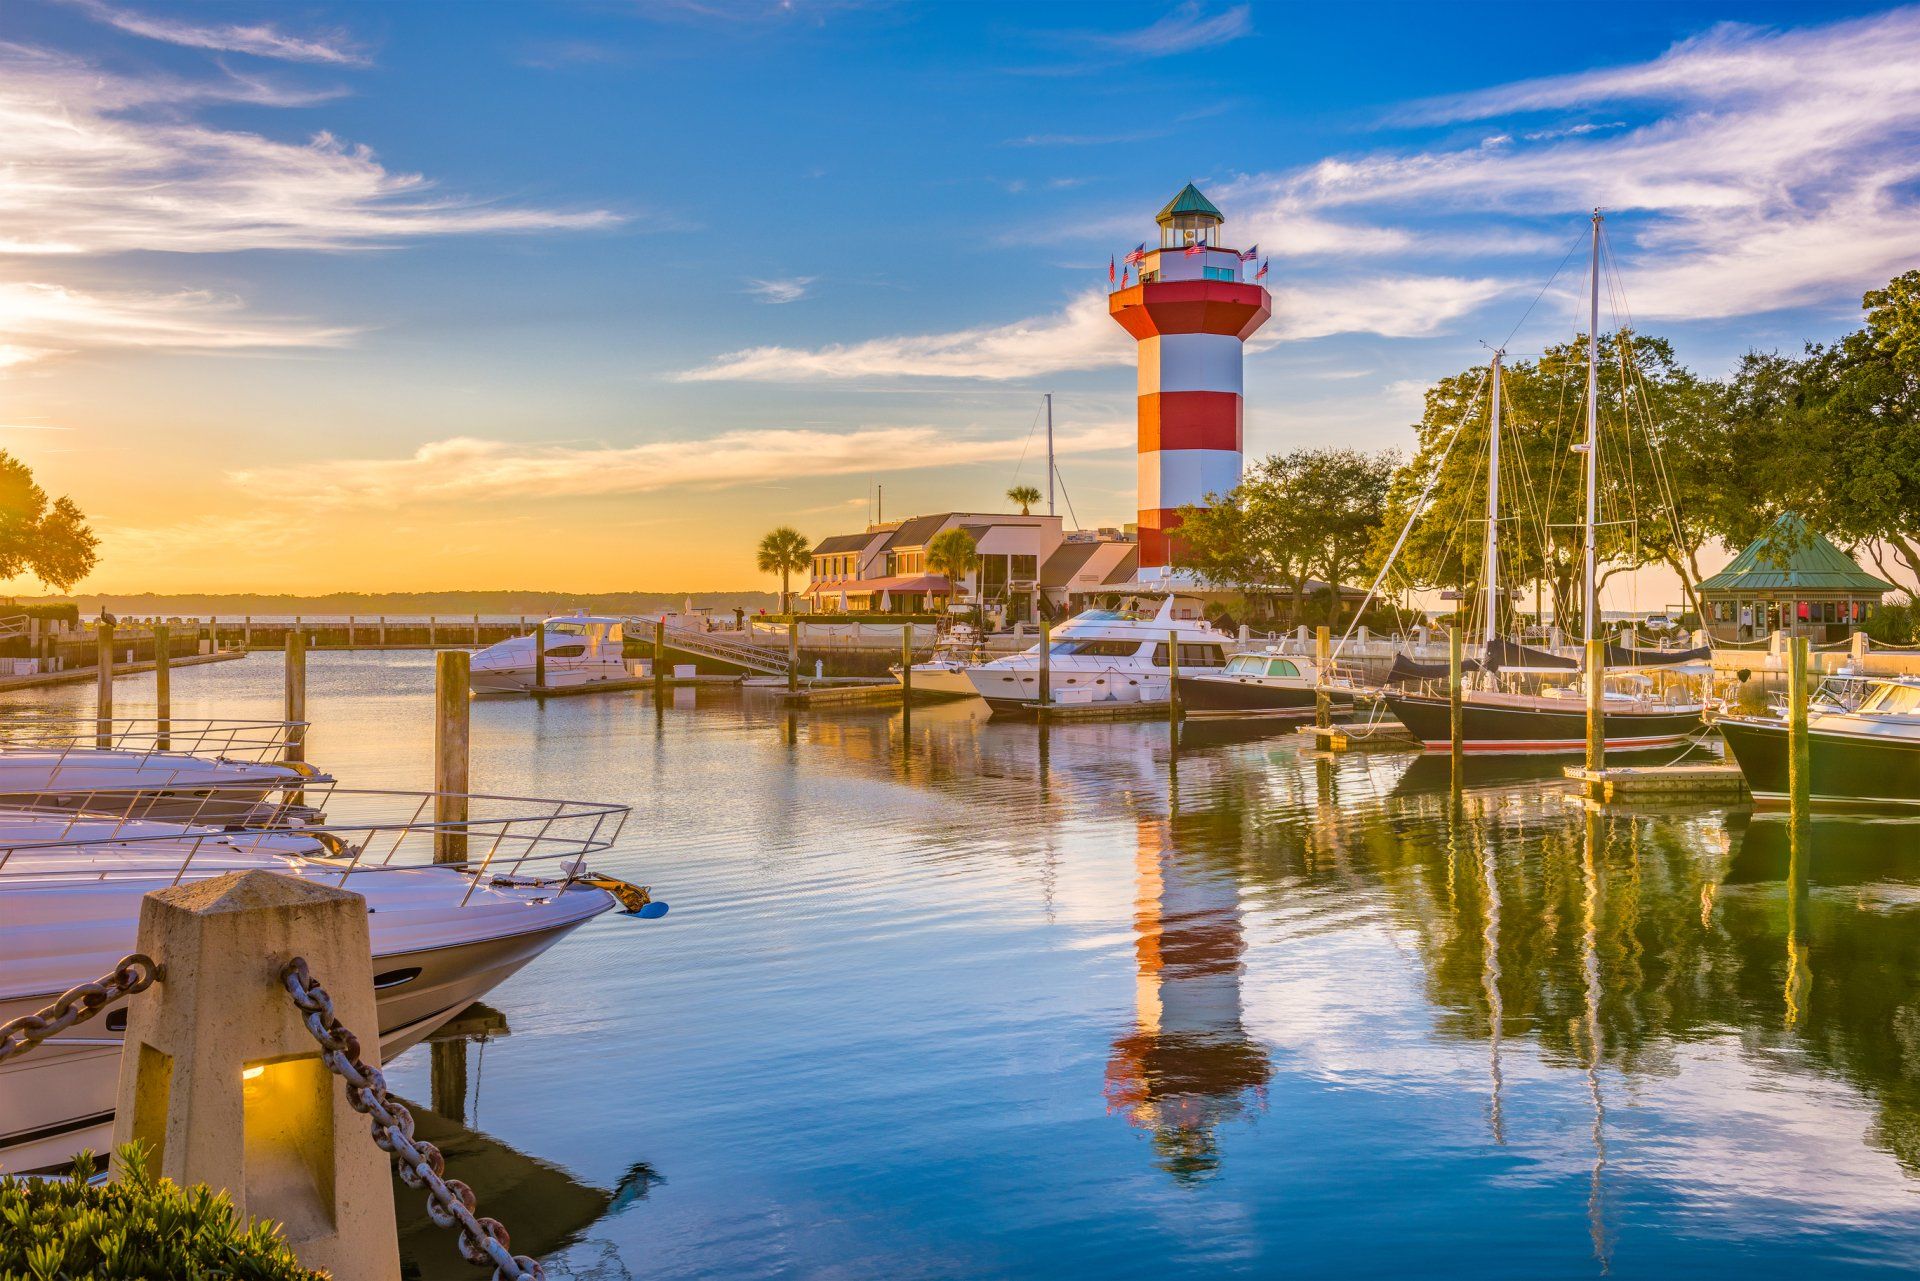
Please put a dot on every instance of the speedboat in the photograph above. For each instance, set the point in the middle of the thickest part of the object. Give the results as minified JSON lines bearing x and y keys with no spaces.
{"x":210,"y":771}
{"x":442,"y":935}
{"x":1261,"y":684}
{"x":1104,"y":656}
{"x":1865,"y":757}
{"x":582,"y":649}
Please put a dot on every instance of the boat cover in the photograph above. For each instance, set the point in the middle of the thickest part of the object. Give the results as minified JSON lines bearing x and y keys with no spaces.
{"x":1505,"y":653}
{"x":1408,"y":671}
{"x":1619,"y":656}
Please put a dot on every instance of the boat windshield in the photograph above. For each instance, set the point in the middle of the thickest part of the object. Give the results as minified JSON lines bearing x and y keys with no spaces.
{"x":1096,"y":648}
{"x":1246,"y":665}
{"x":1893,"y":700}
{"x":566,"y":629}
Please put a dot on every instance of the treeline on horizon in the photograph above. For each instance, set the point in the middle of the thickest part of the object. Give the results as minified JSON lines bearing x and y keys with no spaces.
{"x":373,"y":604}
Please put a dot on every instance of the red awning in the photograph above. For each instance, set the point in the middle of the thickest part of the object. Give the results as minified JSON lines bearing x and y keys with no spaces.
{"x":933,"y":584}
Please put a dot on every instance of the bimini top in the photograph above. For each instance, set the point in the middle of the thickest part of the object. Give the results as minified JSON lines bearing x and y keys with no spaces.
{"x":1815,"y":564}
{"x":1189,"y":201}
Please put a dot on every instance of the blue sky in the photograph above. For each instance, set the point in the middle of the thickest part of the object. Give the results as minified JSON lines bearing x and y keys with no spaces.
{"x":589,"y":295}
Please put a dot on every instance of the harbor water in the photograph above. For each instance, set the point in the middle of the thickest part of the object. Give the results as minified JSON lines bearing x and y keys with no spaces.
{"x":964,"y":1000}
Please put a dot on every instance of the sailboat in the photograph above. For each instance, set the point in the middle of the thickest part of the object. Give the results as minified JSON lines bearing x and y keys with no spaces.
{"x":1552,"y":720}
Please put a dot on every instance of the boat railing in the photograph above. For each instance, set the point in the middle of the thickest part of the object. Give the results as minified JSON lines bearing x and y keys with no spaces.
{"x":478,"y":838}
{"x":250,"y":741}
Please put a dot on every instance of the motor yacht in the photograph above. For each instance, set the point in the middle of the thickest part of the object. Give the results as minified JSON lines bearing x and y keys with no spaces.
{"x":1866,"y":757}
{"x":945,"y":674}
{"x":442,"y":935}
{"x":581,"y":649}
{"x":1268,"y":683}
{"x":1104,"y":656}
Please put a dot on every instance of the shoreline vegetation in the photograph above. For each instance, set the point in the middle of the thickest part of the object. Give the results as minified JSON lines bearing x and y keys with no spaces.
{"x":451,"y":604}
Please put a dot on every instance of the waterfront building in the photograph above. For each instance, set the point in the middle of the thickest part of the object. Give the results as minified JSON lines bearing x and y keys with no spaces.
{"x":1794,"y":580}
{"x":1191,"y":313}
{"x":1024,"y":566}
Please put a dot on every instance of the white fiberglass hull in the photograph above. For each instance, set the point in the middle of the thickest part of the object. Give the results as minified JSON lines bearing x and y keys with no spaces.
{"x":1014,"y":683}
{"x":432,"y":958}
{"x":519,"y":680}
{"x":142,"y":784}
{"x":945,"y":680}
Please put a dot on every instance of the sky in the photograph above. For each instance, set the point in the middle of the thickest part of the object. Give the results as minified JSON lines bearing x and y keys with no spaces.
{"x":303,"y":297}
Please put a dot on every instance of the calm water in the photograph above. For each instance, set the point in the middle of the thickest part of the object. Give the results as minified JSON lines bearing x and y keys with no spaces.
{"x":964,"y":1004}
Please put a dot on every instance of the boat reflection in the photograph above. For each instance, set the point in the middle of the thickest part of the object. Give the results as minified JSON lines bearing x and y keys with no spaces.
{"x":1189,"y":1065}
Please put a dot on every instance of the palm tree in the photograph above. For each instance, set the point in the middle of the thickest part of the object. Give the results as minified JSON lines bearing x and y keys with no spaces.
{"x":1025,"y":495}
{"x":951,"y":553}
{"x":785,"y":552}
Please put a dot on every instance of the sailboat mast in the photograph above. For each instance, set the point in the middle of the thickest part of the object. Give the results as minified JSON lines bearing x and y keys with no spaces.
{"x":1049,"y":453}
{"x":1592,"y":585}
{"x":1491,"y":562}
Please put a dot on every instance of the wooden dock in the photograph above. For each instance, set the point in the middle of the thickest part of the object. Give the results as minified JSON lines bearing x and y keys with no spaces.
{"x":1666,"y":782}
{"x":89,"y":675}
{"x":874,"y":694}
{"x":1383,"y":736}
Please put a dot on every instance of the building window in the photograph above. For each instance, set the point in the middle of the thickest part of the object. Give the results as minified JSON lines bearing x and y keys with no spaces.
{"x":1023,"y":568}
{"x":1219,"y":273}
{"x":1148,"y":277}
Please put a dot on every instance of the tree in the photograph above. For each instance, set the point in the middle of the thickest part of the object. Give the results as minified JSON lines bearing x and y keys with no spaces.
{"x":49,"y":538}
{"x":785,"y":552}
{"x":1025,"y":495}
{"x":1292,"y":516}
{"x":952,"y":553}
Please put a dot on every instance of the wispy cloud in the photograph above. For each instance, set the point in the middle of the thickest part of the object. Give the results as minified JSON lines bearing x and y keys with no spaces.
{"x":465,"y":469}
{"x":1086,"y":139}
{"x":1187,"y":28}
{"x":780,"y":290}
{"x":257,"y":38}
{"x":51,"y":319}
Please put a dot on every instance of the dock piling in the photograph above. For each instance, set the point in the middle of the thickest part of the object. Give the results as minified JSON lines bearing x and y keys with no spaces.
{"x":540,"y":657}
{"x":1046,"y":668}
{"x":1799,"y":755}
{"x":906,"y":668}
{"x":103,"y":688}
{"x":296,"y":695}
{"x":1456,"y":701}
{"x":659,"y":656}
{"x":1596,"y":704}
{"x":1322,"y":660}
{"x":163,"y":685}
{"x":1173,"y":682}
{"x":793,"y":654}
{"x":452,"y":739}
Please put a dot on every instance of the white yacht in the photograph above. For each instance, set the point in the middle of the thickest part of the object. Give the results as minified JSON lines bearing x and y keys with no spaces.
{"x":186,"y":770}
{"x":582,"y":649}
{"x":945,"y":674}
{"x":1104,"y":656}
{"x":443,"y":936}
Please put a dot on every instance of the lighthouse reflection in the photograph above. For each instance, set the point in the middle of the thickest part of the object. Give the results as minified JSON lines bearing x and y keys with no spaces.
{"x":1188,"y":1066}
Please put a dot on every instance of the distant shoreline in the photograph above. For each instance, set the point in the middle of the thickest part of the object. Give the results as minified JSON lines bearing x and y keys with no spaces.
{"x":373,"y":604}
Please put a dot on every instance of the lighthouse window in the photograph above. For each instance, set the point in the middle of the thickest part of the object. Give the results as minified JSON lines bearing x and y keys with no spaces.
{"x":1219,"y":273}
{"x":1148,"y":277}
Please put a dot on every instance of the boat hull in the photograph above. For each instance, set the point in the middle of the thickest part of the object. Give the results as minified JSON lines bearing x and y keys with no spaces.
{"x":519,"y":680}
{"x":1847,"y":771}
{"x":1227,"y":695}
{"x":1520,"y":729}
{"x":939,"y":681}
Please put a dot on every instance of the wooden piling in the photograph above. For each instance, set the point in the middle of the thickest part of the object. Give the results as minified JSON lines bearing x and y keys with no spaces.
{"x":1799,"y":754}
{"x":163,"y":686}
{"x":906,"y":665}
{"x":1596,"y":704}
{"x":296,"y":696}
{"x":793,"y":654}
{"x":1046,"y":668}
{"x":1456,"y":700}
{"x":1322,"y":660}
{"x":103,"y":687}
{"x":246,"y":634}
{"x":1173,"y":680}
{"x":660,"y":656}
{"x":540,"y":657}
{"x":476,"y":631}
{"x":452,"y":736}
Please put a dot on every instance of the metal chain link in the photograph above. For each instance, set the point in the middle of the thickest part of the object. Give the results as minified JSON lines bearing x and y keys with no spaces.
{"x":450,"y":1203}
{"x":134,"y":973}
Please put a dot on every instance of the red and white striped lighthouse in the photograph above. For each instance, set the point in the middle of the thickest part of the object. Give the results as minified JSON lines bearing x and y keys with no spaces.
{"x":1191,"y":313}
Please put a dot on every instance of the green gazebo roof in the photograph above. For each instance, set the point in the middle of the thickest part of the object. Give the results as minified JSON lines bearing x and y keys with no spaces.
{"x":1189,"y":201}
{"x":1814,"y":565}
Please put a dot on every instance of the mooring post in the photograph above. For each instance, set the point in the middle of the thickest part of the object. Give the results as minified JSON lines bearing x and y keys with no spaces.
{"x":476,"y":631}
{"x":350,"y":621}
{"x":1799,"y":753}
{"x":1322,"y":660}
{"x":224,"y":1085}
{"x":452,"y":737}
{"x":906,"y":665}
{"x":246,"y":634}
{"x":1596,"y":706}
{"x":793,"y":654}
{"x":659,"y":655}
{"x":540,"y":657}
{"x":1173,"y":681}
{"x":1046,"y":668}
{"x":103,"y":688}
{"x":296,"y":689}
{"x":163,"y":685}
{"x":1456,"y":700}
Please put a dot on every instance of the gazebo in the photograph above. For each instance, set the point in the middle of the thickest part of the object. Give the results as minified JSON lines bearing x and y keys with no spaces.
{"x":1793,"y":580}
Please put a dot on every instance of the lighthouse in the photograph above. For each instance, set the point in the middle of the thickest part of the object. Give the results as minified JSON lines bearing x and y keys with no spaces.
{"x":1191,"y":314}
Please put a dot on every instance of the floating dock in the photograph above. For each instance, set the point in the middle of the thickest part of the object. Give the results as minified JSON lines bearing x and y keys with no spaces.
{"x":1383,"y":736}
{"x":89,"y":675}
{"x":1665,"y":782}
{"x":874,"y":694}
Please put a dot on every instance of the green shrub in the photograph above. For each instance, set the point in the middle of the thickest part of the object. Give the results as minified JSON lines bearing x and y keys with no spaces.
{"x":136,"y":1226}
{"x":1892,"y":623}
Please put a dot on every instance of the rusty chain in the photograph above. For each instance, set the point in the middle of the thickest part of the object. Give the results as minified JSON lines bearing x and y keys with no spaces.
{"x":450,"y":1203}
{"x":134,"y":973}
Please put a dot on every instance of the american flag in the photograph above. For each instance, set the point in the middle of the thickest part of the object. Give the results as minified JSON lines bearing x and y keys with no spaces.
{"x":1262,"y":273}
{"x":1138,"y":255}
{"x":1197,"y":247}
{"x":1250,"y":254}
{"x":1109,"y":268}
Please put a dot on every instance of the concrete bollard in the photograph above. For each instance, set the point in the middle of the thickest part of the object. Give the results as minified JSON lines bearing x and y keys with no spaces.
{"x":1857,"y":647}
{"x":452,"y":735}
{"x":223,"y":1083}
{"x":103,"y":689}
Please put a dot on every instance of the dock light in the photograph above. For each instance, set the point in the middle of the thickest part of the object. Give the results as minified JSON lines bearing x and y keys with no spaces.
{"x":248,"y":1074}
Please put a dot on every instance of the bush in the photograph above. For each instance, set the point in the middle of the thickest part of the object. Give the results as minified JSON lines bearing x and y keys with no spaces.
{"x":1892,"y":623}
{"x":136,"y":1226}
